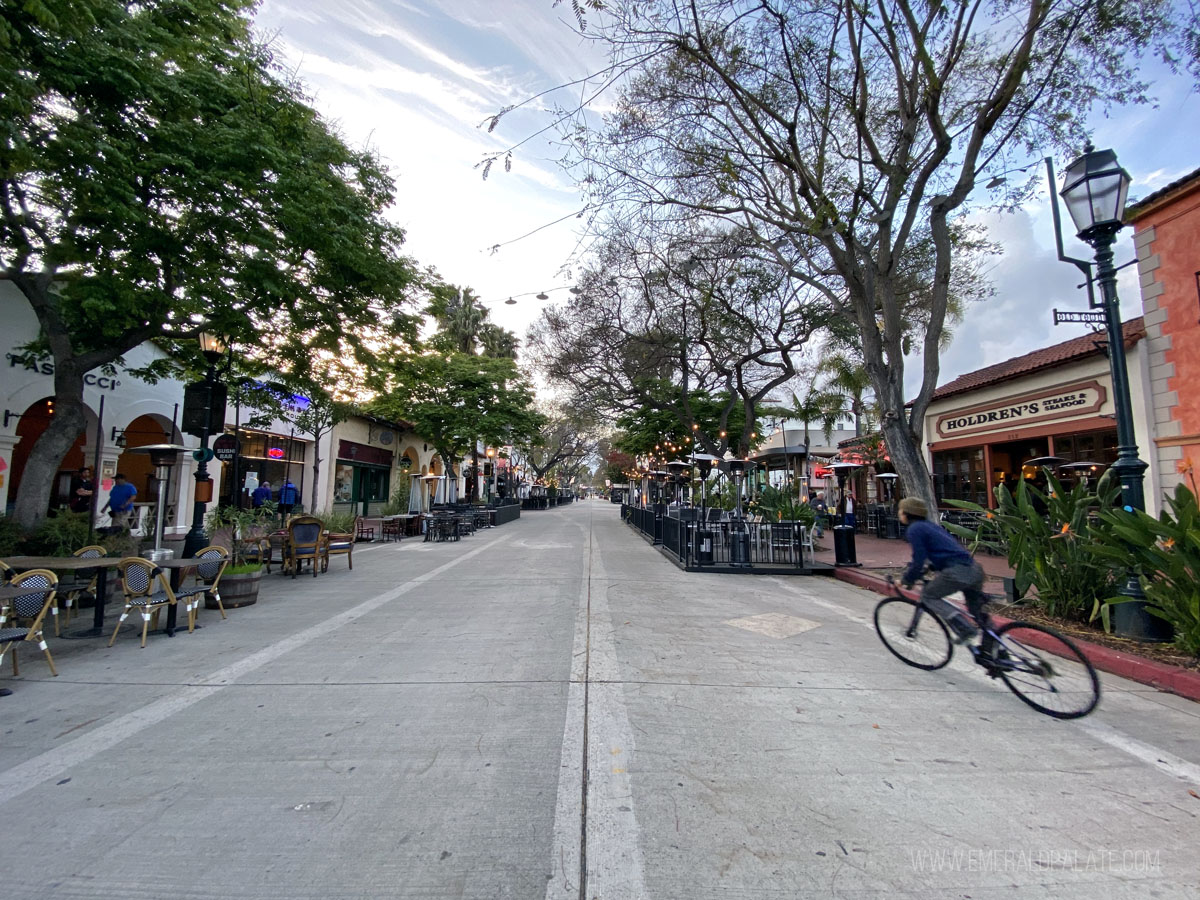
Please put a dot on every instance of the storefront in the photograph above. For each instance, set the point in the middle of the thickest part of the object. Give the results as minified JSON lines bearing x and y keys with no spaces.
{"x":995,"y":425}
{"x":265,"y":456}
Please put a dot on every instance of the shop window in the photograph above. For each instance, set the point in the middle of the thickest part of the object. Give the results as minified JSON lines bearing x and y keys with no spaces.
{"x":959,"y":475}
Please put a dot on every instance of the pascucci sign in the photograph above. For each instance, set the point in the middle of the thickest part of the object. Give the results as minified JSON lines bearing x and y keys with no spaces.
{"x":1041,"y":406}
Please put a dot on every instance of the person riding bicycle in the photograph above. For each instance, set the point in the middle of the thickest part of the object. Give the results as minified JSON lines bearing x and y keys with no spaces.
{"x":956,"y":569}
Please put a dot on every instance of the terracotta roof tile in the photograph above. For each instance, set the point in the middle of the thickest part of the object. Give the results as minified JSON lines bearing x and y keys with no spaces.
{"x":1046,"y":358}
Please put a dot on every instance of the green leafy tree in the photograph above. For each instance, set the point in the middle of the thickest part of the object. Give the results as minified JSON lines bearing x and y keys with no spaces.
{"x":157,"y":178}
{"x":458,"y":399}
{"x":850,"y":138}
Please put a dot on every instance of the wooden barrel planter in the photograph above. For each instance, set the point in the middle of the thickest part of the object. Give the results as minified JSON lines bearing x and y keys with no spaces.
{"x":237,"y":590}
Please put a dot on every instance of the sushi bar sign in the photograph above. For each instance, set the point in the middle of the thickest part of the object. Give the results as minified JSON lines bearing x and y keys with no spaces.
{"x":1064,"y":402}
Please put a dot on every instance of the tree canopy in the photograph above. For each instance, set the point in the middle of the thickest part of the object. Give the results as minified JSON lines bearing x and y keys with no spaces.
{"x":159,"y":177}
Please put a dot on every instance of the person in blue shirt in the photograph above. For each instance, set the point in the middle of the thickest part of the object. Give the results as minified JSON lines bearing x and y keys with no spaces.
{"x":120,"y":502}
{"x":955,"y":568}
{"x":260,"y":494}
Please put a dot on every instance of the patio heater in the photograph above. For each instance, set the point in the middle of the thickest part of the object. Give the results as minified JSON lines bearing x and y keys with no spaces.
{"x":739,"y":534}
{"x":704,"y":464}
{"x":163,"y":457}
{"x":677,"y":468}
{"x":843,"y":535}
{"x":887,"y":525}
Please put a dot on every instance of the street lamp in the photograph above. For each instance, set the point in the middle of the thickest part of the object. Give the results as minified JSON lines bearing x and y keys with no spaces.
{"x":1095,"y":188}
{"x":203,"y":412}
{"x":491,"y":455}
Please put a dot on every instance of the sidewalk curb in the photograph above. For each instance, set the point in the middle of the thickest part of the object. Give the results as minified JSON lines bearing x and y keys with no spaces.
{"x":1163,"y":677}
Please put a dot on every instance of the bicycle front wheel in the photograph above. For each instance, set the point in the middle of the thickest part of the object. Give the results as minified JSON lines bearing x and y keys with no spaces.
{"x":912,"y":633}
{"x":1046,"y":670}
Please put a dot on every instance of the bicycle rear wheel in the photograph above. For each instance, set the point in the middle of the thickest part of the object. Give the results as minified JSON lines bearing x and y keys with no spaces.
{"x":1046,"y":670}
{"x":912,"y":633}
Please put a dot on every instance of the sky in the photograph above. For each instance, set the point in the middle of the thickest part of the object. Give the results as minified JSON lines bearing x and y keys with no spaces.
{"x":417,"y":81}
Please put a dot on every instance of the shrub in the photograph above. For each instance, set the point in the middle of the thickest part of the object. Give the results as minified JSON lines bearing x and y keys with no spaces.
{"x":11,"y":535}
{"x":1166,"y":554}
{"x":338,"y":523}
{"x":59,"y":535}
{"x":1049,"y":550}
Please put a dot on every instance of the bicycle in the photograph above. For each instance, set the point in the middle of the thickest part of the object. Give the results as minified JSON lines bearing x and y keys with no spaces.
{"x":1042,"y":667}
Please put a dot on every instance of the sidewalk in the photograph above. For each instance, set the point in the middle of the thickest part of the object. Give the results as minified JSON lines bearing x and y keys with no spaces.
{"x":882,"y":557}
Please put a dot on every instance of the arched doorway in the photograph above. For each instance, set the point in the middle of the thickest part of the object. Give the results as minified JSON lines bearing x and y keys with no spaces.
{"x":136,"y":467}
{"x":32,"y":423}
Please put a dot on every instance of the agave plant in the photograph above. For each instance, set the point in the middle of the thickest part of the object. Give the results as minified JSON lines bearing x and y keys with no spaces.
{"x":1046,"y":538}
{"x":1166,"y":554}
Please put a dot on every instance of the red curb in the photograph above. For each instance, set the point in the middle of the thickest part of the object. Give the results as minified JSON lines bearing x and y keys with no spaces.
{"x":1163,"y":677}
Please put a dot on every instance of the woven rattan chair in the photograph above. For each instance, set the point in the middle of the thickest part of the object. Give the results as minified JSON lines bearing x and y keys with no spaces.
{"x":305,"y":543}
{"x":146,"y":589}
{"x":84,"y":582}
{"x":30,"y":608}
{"x":213,"y":562}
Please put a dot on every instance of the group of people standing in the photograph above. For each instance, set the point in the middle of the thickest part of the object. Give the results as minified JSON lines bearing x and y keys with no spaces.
{"x":122,"y":495}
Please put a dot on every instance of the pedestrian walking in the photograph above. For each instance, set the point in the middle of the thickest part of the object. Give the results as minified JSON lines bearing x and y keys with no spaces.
{"x":821,"y":508}
{"x":120,"y":503}
{"x":261,"y":494}
{"x":289,"y":496}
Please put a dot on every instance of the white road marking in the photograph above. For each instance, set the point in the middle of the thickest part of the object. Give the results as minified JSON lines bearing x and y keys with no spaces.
{"x":774,"y":625}
{"x":23,"y":777}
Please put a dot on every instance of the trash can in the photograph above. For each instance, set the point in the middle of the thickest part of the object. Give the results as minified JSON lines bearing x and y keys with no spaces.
{"x":843,"y":546}
{"x":703,"y":548}
{"x":739,"y":545}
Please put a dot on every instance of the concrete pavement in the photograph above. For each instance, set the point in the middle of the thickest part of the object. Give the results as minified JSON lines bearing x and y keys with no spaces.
{"x":550,"y":709}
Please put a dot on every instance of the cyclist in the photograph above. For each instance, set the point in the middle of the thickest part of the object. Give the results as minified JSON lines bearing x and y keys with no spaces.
{"x":955,"y":568}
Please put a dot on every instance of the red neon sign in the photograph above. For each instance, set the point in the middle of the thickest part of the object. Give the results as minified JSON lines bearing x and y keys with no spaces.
{"x":275,"y":453}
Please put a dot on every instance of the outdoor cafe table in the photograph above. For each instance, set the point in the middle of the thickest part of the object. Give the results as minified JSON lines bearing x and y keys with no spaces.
{"x":73,"y":563}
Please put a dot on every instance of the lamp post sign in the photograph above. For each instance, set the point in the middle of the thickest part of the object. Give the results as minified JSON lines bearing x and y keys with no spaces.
{"x":1080,"y":317}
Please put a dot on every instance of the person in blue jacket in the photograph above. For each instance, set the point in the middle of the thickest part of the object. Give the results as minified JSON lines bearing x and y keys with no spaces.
{"x":955,"y":569}
{"x":288,"y":498}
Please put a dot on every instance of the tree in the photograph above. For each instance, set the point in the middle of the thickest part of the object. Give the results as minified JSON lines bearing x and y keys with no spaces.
{"x":665,"y":323}
{"x":567,"y":438}
{"x":156,"y":180}
{"x":318,"y":415}
{"x":457,"y":399}
{"x":848,"y":136}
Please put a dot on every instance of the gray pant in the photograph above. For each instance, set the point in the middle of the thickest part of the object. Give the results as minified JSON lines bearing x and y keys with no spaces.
{"x":965,"y":578}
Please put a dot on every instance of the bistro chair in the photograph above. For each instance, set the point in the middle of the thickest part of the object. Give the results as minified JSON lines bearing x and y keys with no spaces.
{"x":304,"y":543}
{"x":390,"y":528}
{"x":32,"y":608}
{"x":139,"y":578}
{"x":337,"y":545}
{"x":213,"y":561}
{"x":365,"y":532}
{"x":84,"y":583}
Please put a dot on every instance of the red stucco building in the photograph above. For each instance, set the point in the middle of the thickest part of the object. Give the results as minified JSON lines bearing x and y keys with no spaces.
{"x":1167,"y":237}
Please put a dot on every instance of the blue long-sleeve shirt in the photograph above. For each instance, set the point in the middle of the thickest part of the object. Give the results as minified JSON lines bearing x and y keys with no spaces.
{"x":933,"y":544}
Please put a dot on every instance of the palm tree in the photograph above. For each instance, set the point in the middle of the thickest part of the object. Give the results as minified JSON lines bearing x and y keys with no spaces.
{"x":497,"y":342}
{"x":846,"y":387}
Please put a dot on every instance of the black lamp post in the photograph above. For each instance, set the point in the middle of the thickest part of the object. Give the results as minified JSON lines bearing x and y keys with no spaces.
{"x":1095,"y":188}
{"x":203,"y":412}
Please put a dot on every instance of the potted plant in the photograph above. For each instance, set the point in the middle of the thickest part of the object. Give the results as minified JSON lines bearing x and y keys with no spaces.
{"x":243,"y":532}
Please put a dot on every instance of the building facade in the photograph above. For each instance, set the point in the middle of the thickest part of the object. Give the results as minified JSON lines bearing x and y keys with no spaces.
{"x":1167,"y":238}
{"x":983,"y":428}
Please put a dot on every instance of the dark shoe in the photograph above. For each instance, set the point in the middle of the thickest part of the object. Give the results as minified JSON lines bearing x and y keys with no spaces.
{"x":5,"y":692}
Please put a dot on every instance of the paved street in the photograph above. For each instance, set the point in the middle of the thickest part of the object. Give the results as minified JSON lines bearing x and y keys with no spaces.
{"x":553,"y":699}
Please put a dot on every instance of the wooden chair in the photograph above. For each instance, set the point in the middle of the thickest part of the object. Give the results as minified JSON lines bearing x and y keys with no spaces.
{"x":390,"y":529}
{"x":138,"y":580}
{"x":365,"y":532}
{"x":84,"y":583}
{"x":337,"y":545}
{"x":305,"y":543}
{"x":31,"y":607}
{"x":214,"y":561}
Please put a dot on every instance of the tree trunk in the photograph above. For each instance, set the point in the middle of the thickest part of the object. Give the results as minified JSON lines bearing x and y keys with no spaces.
{"x":316,"y":467}
{"x":909,"y":463}
{"x":37,"y":481}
